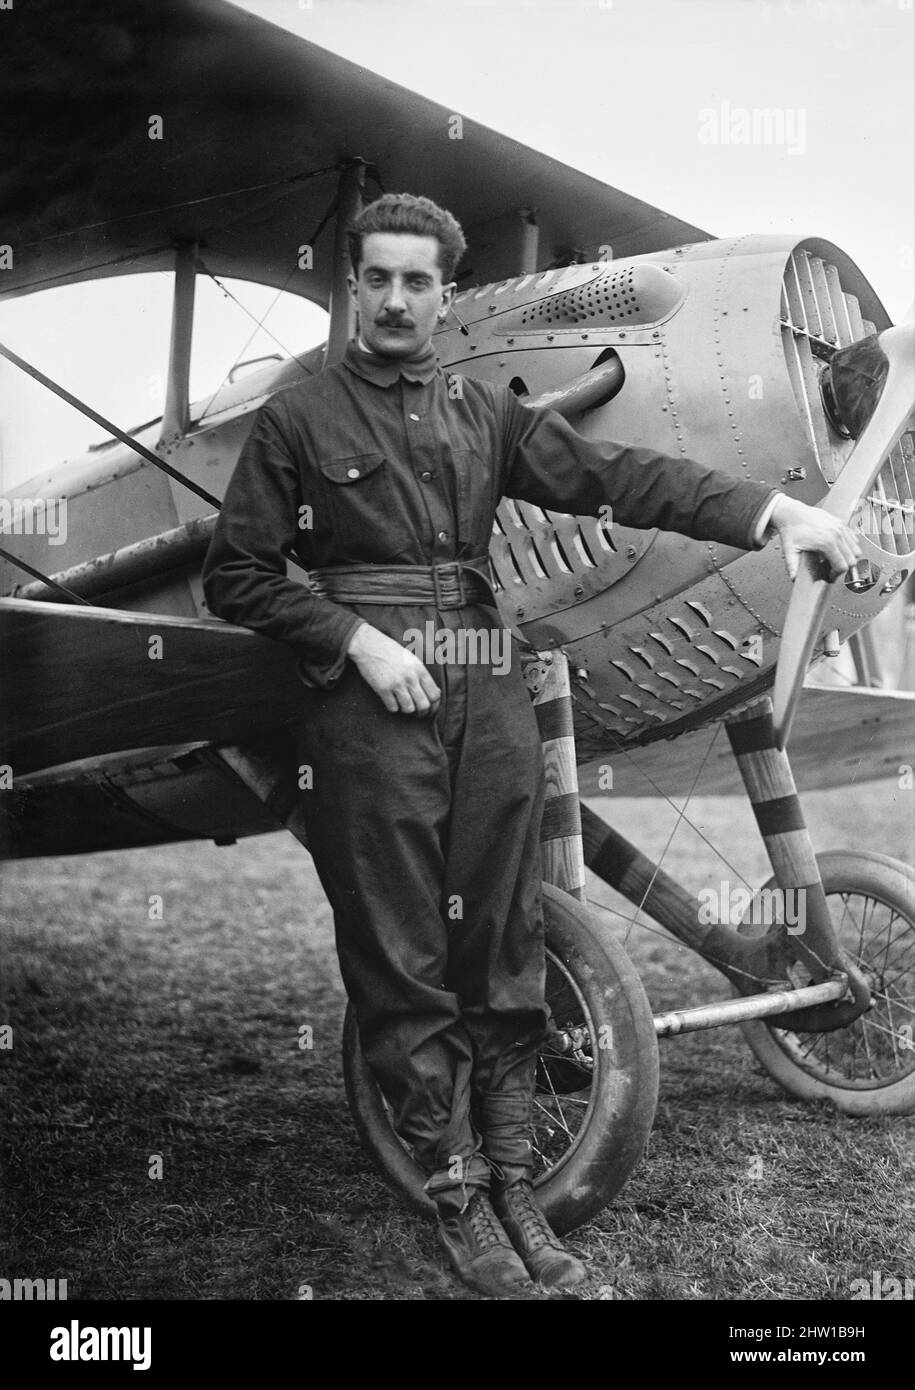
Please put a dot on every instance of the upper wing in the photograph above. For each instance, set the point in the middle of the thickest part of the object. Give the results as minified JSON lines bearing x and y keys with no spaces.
{"x":81,"y":682}
{"x":245,"y":106}
{"x":840,"y":736}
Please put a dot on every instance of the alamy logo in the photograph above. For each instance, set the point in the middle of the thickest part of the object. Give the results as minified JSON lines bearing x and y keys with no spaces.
{"x":75,"y":1343}
{"x":882,"y":1289}
{"x":462,"y":646}
{"x":29,"y":1290}
{"x":733,"y":904}
{"x":785,"y":126}
{"x":35,"y":516}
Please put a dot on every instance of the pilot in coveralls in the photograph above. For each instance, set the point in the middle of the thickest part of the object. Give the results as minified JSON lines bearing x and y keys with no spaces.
{"x":424,"y":812}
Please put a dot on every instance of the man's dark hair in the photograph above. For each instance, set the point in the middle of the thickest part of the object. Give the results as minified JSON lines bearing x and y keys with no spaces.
{"x":406,"y":214}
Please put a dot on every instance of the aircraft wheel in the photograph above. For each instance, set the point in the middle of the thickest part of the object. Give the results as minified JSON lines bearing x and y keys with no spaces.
{"x":869,"y":1067}
{"x":595,"y":1101}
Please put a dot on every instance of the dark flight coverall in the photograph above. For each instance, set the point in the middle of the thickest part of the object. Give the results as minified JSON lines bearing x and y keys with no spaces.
{"x":425,"y":832}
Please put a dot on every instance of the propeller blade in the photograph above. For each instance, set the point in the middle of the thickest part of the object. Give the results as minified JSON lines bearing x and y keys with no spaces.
{"x":893,"y":414}
{"x":801,"y":630}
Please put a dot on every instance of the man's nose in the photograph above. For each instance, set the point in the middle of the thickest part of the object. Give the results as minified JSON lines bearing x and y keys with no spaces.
{"x":395,"y":301}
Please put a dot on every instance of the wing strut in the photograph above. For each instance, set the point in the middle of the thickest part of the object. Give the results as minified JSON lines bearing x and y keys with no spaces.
{"x":176,"y":411}
{"x":44,"y":578}
{"x":93,"y":415}
{"x":125,"y":438}
{"x":346,"y":210}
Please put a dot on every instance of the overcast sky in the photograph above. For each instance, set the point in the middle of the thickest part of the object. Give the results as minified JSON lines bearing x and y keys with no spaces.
{"x":637,"y":93}
{"x":617,"y":89}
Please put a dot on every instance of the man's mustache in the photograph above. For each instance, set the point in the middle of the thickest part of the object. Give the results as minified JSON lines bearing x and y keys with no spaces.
{"x":385,"y":321}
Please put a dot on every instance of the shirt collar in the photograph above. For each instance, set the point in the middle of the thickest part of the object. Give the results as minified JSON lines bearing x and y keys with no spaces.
{"x":384,"y":371}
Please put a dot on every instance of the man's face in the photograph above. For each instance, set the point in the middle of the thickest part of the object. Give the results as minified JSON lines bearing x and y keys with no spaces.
{"x":399,"y":292}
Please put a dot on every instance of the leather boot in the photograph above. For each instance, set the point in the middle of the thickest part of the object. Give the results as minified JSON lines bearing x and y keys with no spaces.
{"x":479,"y":1251}
{"x":534,"y":1239}
{"x":504,"y":1118}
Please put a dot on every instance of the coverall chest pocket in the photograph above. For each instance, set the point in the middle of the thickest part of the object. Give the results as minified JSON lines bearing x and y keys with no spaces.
{"x":473,"y":488}
{"x":362,"y":507}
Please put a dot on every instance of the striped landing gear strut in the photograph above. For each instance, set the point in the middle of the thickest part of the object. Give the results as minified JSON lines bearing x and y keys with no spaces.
{"x":754,"y":965}
{"x":769,"y":784}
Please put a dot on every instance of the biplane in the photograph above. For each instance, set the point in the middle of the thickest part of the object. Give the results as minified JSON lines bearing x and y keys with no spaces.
{"x":767,"y":356}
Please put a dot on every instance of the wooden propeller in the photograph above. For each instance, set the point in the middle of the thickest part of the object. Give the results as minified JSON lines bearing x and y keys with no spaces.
{"x":894,"y":413}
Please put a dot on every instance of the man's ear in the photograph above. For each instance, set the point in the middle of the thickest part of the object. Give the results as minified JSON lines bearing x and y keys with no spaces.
{"x":448,"y":293}
{"x":352,"y":284}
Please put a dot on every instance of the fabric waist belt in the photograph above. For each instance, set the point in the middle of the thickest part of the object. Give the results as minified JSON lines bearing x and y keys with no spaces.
{"x":453,"y":585}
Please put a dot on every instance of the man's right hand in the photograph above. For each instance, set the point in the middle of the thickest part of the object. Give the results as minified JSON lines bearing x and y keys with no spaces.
{"x":801,"y":527}
{"x":398,"y":678}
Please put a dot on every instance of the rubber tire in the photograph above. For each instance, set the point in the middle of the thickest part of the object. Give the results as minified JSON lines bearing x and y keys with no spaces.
{"x":892,"y":882}
{"x":624,"y":1087}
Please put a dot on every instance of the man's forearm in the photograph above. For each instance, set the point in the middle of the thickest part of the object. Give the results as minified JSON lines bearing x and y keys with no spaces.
{"x":555,"y":467}
{"x":289,"y":612}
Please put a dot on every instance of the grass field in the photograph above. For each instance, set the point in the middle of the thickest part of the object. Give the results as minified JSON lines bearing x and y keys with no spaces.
{"x":143,"y":1044}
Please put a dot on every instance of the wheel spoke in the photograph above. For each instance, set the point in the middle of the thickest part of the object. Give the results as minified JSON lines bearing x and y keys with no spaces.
{"x":881,"y":1028}
{"x":546,"y":1162}
{"x":552,"y":1117}
{"x":889,"y":942}
{"x":877,"y":935}
{"x":867,"y":1049}
{"x":909,"y":946}
{"x":562,"y":1118}
{"x":846,"y":915}
{"x":893,"y":1034}
{"x":814,"y":1040}
{"x":900,"y":1002}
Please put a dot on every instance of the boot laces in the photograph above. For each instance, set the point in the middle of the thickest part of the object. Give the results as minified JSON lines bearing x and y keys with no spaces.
{"x":534,"y":1225}
{"x":482,"y":1221}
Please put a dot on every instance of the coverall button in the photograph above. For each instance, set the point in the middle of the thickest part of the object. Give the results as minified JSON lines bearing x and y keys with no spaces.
{"x":414,"y":417}
{"x":426,"y":477}
{"x":443,"y":535}
{"x":352,"y":472}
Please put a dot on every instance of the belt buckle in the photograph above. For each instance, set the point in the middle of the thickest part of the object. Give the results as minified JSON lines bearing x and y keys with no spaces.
{"x":448,"y":577}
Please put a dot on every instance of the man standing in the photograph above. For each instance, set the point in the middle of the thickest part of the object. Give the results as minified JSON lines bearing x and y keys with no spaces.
{"x":424,"y":813}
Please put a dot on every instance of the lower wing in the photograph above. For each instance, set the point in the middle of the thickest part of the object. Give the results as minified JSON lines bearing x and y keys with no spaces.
{"x":79,"y":682}
{"x":841,"y":735}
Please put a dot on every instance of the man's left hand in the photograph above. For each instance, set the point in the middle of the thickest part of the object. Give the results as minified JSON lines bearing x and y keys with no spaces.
{"x":801,"y":527}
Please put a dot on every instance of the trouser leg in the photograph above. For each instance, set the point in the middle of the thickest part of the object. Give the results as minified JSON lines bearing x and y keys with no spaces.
{"x":425,"y":834}
{"x":496,"y":957}
{"x":377,"y":816}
